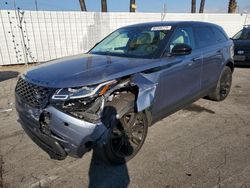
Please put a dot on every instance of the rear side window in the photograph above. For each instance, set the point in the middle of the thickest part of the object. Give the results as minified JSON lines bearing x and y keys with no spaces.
{"x":238,"y":35}
{"x":246,"y":34}
{"x":242,"y":35}
{"x":220,"y":36}
{"x":204,"y":36}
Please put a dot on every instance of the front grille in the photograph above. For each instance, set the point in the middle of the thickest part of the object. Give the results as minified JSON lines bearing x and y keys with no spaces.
{"x":35,"y":96}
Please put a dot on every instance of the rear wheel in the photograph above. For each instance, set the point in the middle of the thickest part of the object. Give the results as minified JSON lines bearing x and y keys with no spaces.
{"x":223,"y":86}
{"x":126,"y":136}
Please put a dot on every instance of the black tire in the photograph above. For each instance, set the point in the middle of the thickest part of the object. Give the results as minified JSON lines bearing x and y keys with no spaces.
{"x":223,"y":86}
{"x":126,"y":134}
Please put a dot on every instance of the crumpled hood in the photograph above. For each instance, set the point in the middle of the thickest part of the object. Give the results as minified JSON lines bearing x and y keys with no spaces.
{"x":86,"y":69}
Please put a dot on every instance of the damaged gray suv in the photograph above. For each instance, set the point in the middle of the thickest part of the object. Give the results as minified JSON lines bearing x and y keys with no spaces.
{"x":108,"y":97}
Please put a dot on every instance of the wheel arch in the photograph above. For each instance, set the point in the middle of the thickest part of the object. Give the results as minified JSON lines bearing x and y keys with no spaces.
{"x":230,"y":64}
{"x":125,"y":102}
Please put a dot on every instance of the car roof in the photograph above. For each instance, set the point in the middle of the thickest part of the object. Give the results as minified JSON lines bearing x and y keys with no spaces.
{"x":171,"y":23}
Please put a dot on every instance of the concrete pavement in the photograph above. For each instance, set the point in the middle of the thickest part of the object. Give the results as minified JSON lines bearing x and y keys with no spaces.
{"x":204,"y":145}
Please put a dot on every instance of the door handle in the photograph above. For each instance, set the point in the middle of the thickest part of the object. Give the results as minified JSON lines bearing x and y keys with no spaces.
{"x":197,"y":58}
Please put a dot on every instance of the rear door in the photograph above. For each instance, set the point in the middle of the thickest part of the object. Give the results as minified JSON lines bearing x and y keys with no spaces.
{"x":212,"y":53}
{"x":179,"y":80}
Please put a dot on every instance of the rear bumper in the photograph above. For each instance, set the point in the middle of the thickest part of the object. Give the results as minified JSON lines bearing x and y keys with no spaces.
{"x":69,"y":135}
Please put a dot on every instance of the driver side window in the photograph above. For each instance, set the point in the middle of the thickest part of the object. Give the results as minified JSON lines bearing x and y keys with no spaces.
{"x":182,"y":35}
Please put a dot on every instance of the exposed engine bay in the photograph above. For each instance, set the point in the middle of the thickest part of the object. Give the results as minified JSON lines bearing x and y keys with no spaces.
{"x":87,"y":103}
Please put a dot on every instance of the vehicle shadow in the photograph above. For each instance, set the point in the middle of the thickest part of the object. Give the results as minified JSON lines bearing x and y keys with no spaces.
{"x":6,"y":75}
{"x":242,"y":66}
{"x":103,"y":173}
{"x":197,"y":108}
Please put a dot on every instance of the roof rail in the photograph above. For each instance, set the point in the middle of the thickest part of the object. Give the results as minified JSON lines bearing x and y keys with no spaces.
{"x":248,"y":25}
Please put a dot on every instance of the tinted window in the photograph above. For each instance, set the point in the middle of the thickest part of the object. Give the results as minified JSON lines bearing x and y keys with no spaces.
{"x":242,"y":35}
{"x":237,"y":36}
{"x":220,"y":36}
{"x":204,"y":36}
{"x":182,"y":36}
{"x":246,"y":34}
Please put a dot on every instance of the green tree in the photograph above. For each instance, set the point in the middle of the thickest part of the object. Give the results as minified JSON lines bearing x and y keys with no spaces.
{"x":232,"y":6}
{"x":202,"y":5}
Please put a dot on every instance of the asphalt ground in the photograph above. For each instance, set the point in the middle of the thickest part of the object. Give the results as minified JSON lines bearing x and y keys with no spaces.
{"x":204,"y":145}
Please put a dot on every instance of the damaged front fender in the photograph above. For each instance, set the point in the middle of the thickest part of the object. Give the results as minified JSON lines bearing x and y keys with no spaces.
{"x":146,"y":90}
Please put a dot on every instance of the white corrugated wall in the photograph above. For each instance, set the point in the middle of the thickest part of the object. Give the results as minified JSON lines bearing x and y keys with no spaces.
{"x":45,"y":35}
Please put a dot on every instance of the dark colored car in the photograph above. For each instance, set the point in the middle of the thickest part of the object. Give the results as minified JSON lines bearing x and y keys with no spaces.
{"x":108,"y":97}
{"x":242,"y":46}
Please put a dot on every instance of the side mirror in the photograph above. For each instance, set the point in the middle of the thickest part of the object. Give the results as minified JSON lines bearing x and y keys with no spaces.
{"x":181,"y":49}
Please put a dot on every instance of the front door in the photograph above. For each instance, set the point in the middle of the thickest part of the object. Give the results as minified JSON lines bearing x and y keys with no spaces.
{"x":179,"y":79}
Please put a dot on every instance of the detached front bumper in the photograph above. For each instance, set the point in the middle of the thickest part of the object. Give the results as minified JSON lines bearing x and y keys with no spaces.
{"x":67,"y":136}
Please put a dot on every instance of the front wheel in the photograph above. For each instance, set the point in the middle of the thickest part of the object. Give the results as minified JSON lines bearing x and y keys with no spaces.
{"x":126,"y":137}
{"x":223,"y":86}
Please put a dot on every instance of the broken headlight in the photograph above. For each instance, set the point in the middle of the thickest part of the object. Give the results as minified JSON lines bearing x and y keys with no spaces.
{"x":82,"y":102}
{"x":82,"y":92}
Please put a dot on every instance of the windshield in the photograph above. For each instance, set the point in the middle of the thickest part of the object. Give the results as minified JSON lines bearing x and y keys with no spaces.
{"x":242,"y":35}
{"x":133,"y":42}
